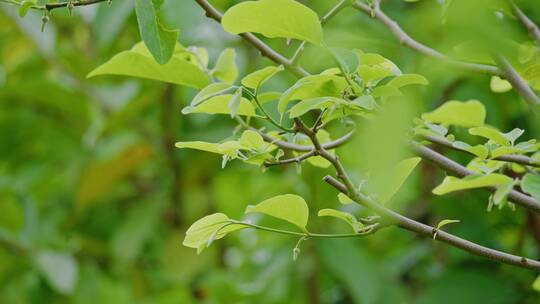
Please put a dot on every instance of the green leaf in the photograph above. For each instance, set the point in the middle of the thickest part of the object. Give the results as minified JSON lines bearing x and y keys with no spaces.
{"x":408,"y":79}
{"x":499,"y":85}
{"x":347,"y":217}
{"x":212,"y":90}
{"x":274,"y":18}
{"x":25,"y":6}
{"x":471,"y":113}
{"x":317,"y":103}
{"x":138,"y":62}
{"x":499,"y":198}
{"x":220,"y":105}
{"x":536,"y":284}
{"x":321,"y":85}
{"x":60,"y":270}
{"x":256,"y":79}
{"x":491,"y":134}
{"x":229,"y":148}
{"x":234,"y":102}
{"x":451,"y":184}
{"x":441,"y":224}
{"x":253,"y":140}
{"x":478,"y":150}
{"x":209,"y":228}
{"x":446,"y":222}
{"x":344,"y":199}
{"x":289,"y":207}
{"x":513,"y":135}
{"x":159,"y":40}
{"x":386,"y":91}
{"x":388,"y":183}
{"x":225,"y":68}
{"x":531,"y":185}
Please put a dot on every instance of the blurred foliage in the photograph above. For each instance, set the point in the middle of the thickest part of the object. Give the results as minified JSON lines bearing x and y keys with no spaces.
{"x":96,"y":200}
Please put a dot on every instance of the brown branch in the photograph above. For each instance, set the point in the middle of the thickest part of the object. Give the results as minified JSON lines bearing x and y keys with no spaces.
{"x":533,"y":29}
{"x":517,"y":82}
{"x":406,"y":40}
{"x":454,"y":168}
{"x":423,"y":229}
{"x":513,"y":158}
{"x":347,"y":187}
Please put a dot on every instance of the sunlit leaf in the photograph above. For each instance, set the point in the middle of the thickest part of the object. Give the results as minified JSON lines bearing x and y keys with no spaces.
{"x":499,"y":85}
{"x":313,"y":86}
{"x":137,"y":62}
{"x":451,"y":184}
{"x":225,"y":68}
{"x":274,"y":18}
{"x":344,"y":199}
{"x":289,"y":207}
{"x":347,"y":217}
{"x":470,"y":113}
{"x":491,"y":134}
{"x":256,"y":79}
{"x":307,"y":105}
{"x":408,"y":79}
{"x":214,"y":225}
{"x":220,"y":105}
{"x":478,"y":150}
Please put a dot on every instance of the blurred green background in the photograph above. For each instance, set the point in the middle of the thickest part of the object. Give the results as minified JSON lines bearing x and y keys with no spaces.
{"x":95,"y":199}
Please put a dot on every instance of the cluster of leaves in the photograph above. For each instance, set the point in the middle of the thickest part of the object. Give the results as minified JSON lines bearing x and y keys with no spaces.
{"x":489,"y":169}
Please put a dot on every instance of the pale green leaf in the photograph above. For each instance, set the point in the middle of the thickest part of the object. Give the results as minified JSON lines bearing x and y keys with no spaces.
{"x":256,"y":79}
{"x":25,"y":6}
{"x":220,"y":105}
{"x":209,"y":228}
{"x":225,"y":68}
{"x":531,"y":185}
{"x":344,"y":199}
{"x":229,"y":148}
{"x":137,"y":62}
{"x":471,"y":113}
{"x":446,"y":222}
{"x":252,"y":140}
{"x":274,"y":18}
{"x":408,"y":79}
{"x":313,"y":86}
{"x":478,"y":150}
{"x":347,"y":217}
{"x":451,"y":184}
{"x":536,"y":284}
{"x":307,"y":105}
{"x":386,"y":91}
{"x":491,"y":134}
{"x":499,"y":85}
{"x":213,"y":89}
{"x":441,"y":224}
{"x":289,"y":207}
{"x":234,"y":102}
{"x":60,"y":270}
{"x":159,"y":40}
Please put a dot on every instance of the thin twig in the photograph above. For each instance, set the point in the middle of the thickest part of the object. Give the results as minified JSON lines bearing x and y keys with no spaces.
{"x":406,"y":40}
{"x":513,"y":158}
{"x":517,"y":82}
{"x":458,"y":170}
{"x":531,"y":27}
{"x":423,"y":229}
{"x":294,"y":160}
